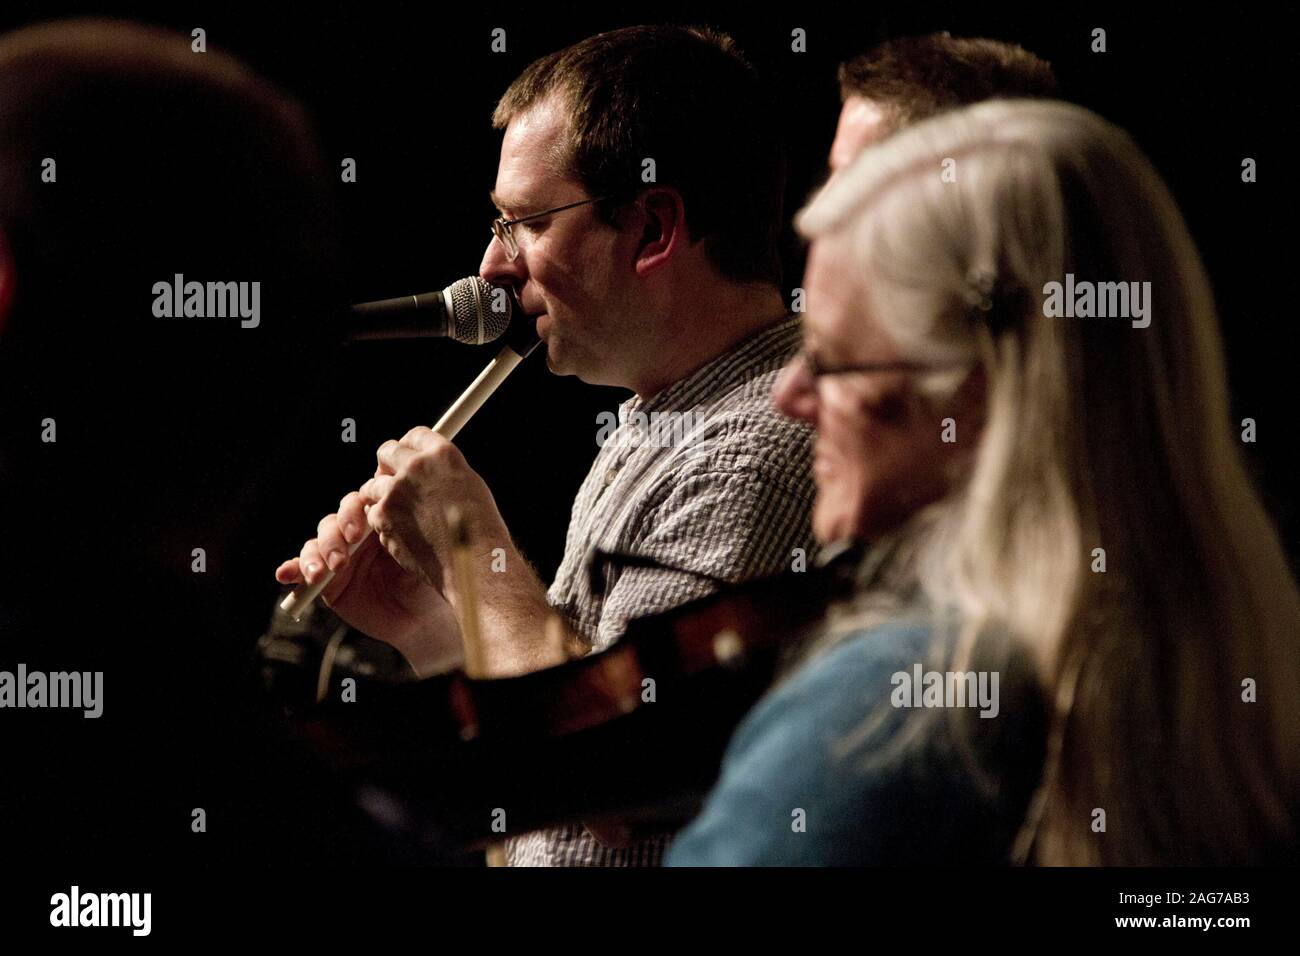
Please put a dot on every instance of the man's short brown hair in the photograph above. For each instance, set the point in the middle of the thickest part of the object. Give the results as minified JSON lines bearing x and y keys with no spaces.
{"x":686,"y":98}
{"x":913,"y":78}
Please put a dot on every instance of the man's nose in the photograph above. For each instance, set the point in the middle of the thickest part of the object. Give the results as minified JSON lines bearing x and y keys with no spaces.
{"x":795,"y":392}
{"x":498,"y":269}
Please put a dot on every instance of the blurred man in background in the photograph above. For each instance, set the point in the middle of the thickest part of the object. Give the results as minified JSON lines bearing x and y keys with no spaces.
{"x":908,"y":79}
{"x":138,"y":465}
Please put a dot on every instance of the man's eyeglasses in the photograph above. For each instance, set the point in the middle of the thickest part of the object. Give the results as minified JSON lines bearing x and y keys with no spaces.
{"x":816,"y":368}
{"x":501,"y":225}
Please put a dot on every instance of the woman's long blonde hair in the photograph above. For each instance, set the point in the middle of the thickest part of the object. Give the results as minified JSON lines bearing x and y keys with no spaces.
{"x":1172,"y":674}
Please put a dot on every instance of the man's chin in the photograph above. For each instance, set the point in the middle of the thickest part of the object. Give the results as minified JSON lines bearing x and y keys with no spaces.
{"x":564,"y":361}
{"x":555,"y":360}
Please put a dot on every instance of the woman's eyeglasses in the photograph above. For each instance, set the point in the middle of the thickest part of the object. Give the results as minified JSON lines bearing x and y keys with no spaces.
{"x":816,"y":368}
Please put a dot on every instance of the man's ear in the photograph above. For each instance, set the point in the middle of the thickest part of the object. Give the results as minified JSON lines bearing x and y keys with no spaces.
{"x":664,"y":229}
{"x":6,"y":279}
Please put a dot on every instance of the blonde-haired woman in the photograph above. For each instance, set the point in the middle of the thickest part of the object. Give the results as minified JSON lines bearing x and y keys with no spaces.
{"x":1059,"y":516}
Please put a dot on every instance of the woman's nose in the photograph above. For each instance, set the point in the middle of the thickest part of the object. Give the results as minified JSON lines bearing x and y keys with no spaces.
{"x":795,"y":392}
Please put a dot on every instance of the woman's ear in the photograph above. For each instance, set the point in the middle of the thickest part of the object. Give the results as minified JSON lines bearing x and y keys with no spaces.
{"x":6,"y":280}
{"x":663,"y":231}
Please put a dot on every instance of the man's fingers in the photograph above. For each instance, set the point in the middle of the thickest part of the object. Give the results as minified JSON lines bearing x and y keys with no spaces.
{"x":374,"y":489}
{"x":290,"y":572}
{"x":331,"y":543}
{"x":352,"y":517}
{"x":392,"y":455}
{"x":421,"y":436}
{"x":313,"y":565}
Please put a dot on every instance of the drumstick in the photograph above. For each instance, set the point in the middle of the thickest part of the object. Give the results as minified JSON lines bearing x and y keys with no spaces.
{"x":464,"y":575}
{"x":297,"y":601}
{"x":469,"y":627}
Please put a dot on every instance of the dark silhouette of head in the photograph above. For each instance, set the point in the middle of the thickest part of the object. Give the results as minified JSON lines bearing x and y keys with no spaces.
{"x":127,"y":159}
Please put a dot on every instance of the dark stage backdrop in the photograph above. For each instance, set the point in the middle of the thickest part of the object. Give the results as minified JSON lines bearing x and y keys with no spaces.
{"x":408,"y":92}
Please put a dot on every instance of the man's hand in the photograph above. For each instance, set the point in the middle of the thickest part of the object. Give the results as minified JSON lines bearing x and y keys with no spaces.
{"x":400,"y":587}
{"x":406,"y":501}
{"x":375,"y":594}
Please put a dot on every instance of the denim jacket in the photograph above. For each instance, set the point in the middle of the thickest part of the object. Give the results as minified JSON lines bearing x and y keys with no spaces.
{"x":850,"y":761}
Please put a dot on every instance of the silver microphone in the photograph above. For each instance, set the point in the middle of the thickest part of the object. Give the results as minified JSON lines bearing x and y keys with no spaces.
{"x":469,"y":310}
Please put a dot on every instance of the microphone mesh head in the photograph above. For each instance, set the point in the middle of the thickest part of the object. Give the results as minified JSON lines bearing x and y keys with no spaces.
{"x":480,"y":311}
